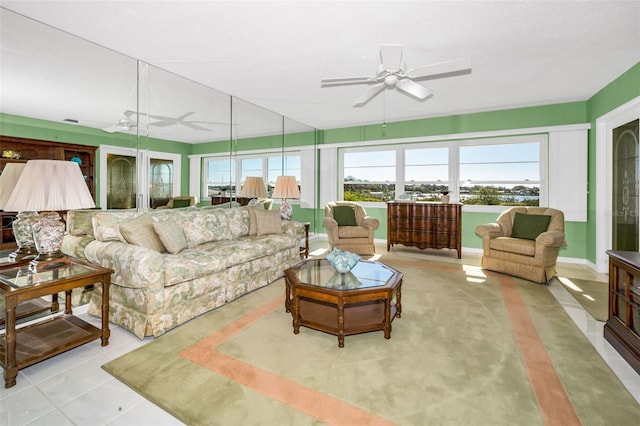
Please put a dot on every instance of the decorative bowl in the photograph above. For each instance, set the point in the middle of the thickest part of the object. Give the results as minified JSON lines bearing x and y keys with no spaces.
{"x":342,"y":261}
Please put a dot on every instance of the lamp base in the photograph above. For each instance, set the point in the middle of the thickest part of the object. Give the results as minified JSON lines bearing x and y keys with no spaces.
{"x":48,"y":260}
{"x":22,"y":253}
{"x":285,"y":210}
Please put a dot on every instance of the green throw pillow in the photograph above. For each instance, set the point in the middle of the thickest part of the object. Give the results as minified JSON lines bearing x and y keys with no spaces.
{"x":177,"y":204}
{"x":345,"y":215}
{"x":529,"y":226}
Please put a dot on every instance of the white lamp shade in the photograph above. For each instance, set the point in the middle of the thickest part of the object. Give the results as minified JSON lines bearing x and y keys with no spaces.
{"x":254,"y":187}
{"x":286,"y":187}
{"x":8,"y":180}
{"x":50,"y":185}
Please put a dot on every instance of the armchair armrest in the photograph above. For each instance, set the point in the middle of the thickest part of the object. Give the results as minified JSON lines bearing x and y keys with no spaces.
{"x":370,"y":222}
{"x":489,"y":230}
{"x":551,"y":239}
{"x":331,"y":226}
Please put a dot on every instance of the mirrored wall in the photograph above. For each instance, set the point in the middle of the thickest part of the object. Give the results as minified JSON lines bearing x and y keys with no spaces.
{"x":155,"y":131}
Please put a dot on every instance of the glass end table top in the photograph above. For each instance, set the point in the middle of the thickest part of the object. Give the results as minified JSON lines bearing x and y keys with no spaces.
{"x":21,"y":277}
{"x":365,"y":274}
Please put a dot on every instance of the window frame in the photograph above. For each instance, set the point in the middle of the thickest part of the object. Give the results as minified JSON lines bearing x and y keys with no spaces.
{"x":454,"y":182}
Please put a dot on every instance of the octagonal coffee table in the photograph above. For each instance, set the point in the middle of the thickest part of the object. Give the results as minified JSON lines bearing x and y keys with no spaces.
{"x":365,"y":299}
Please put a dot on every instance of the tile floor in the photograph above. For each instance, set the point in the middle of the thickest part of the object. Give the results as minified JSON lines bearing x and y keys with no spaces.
{"x":72,"y":389}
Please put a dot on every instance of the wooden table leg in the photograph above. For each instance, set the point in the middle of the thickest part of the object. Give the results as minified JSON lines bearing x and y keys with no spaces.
{"x":67,"y":303}
{"x":398,"y":302}
{"x":106,"y":281}
{"x":387,"y":317}
{"x":295,"y":313}
{"x":340,"y":323}
{"x":10,"y":367}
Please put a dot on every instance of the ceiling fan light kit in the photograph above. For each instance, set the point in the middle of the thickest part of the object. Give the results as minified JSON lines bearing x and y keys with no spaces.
{"x":393,"y":73}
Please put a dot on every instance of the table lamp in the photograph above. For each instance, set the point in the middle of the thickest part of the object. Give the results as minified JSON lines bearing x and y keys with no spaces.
{"x":23,"y":224}
{"x":49,"y":186}
{"x":253,"y":188}
{"x":286,"y":188}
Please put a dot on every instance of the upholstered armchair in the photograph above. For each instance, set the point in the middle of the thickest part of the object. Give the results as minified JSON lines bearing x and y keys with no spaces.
{"x":524,"y":242}
{"x":349,"y":228}
{"x":180,"y":201}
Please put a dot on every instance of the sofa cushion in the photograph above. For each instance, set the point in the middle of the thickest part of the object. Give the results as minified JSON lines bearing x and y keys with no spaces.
{"x":253,"y":225}
{"x":353,"y":232}
{"x":191,"y":264}
{"x":513,"y":245}
{"x":171,"y":235}
{"x":203,"y":226}
{"x":529,"y":226}
{"x":268,"y":222}
{"x":140,"y":232}
{"x":106,"y":225}
{"x":79,"y":222}
{"x":345,"y":215}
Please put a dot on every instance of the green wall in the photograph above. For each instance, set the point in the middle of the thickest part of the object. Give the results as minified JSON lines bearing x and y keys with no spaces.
{"x":618,"y":92}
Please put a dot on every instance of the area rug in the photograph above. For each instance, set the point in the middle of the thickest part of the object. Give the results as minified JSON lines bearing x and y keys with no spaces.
{"x":592,"y":295}
{"x":470,"y":348}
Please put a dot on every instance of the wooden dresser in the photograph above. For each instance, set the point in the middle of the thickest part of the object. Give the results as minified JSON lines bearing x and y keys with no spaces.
{"x":425,"y":225}
{"x":622,"y":328}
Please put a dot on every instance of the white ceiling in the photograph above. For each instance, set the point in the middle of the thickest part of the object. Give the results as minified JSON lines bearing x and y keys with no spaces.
{"x":274,"y":53}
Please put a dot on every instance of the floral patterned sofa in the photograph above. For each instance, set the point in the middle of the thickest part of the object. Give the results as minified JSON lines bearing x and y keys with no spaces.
{"x":172,"y":265}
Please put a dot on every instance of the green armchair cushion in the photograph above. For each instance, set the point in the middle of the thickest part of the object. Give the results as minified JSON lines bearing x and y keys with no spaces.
{"x":345,"y":216}
{"x":529,"y":226}
{"x":179,"y":203}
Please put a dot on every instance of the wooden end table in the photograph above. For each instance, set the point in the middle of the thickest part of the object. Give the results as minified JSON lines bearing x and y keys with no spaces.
{"x":365,"y":299}
{"x":36,"y":342}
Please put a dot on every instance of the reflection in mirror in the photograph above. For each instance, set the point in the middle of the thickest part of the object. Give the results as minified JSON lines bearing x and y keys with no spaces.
{"x":299,"y":142}
{"x":177,"y":110}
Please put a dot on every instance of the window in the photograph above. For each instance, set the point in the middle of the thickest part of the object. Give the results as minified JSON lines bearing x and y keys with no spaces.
{"x":426,"y":173}
{"x":498,"y":171}
{"x":369,"y":175}
{"x":221,"y":177}
{"x":500,"y":174}
{"x":223,"y":173}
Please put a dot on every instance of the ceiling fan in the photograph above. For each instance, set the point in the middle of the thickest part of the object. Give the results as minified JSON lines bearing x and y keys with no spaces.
{"x":392,"y":73}
{"x":127,"y":123}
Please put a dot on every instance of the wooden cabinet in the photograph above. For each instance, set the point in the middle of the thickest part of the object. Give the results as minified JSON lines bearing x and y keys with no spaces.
{"x":622,"y":328}
{"x":7,"y":240}
{"x":425,"y":225}
{"x":32,"y":149}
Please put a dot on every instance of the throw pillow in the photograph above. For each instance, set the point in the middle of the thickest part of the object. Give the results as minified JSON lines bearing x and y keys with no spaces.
{"x":253,"y":225}
{"x":345,"y":215}
{"x":529,"y":226}
{"x":268,"y":222}
{"x":140,"y":232}
{"x":171,"y":235}
{"x":180,"y":203}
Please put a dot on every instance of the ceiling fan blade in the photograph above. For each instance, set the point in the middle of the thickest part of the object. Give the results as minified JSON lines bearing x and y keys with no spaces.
{"x":391,"y":57}
{"x":112,"y":129}
{"x":193,"y":126}
{"x":414,"y":89}
{"x":346,"y":80}
{"x":442,"y":69}
{"x":368,"y":95}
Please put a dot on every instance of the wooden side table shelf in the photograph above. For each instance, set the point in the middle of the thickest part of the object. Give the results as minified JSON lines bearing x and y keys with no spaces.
{"x":304,"y":250}
{"x":622,"y":328}
{"x":36,"y":342}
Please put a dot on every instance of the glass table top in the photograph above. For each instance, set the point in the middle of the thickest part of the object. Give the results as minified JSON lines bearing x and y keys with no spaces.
{"x":22,"y":277}
{"x":365,"y":274}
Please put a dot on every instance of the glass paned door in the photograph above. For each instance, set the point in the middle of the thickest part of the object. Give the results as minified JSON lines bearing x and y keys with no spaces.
{"x":625,"y":187}
{"x":161,"y":182}
{"x":121,"y":181}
